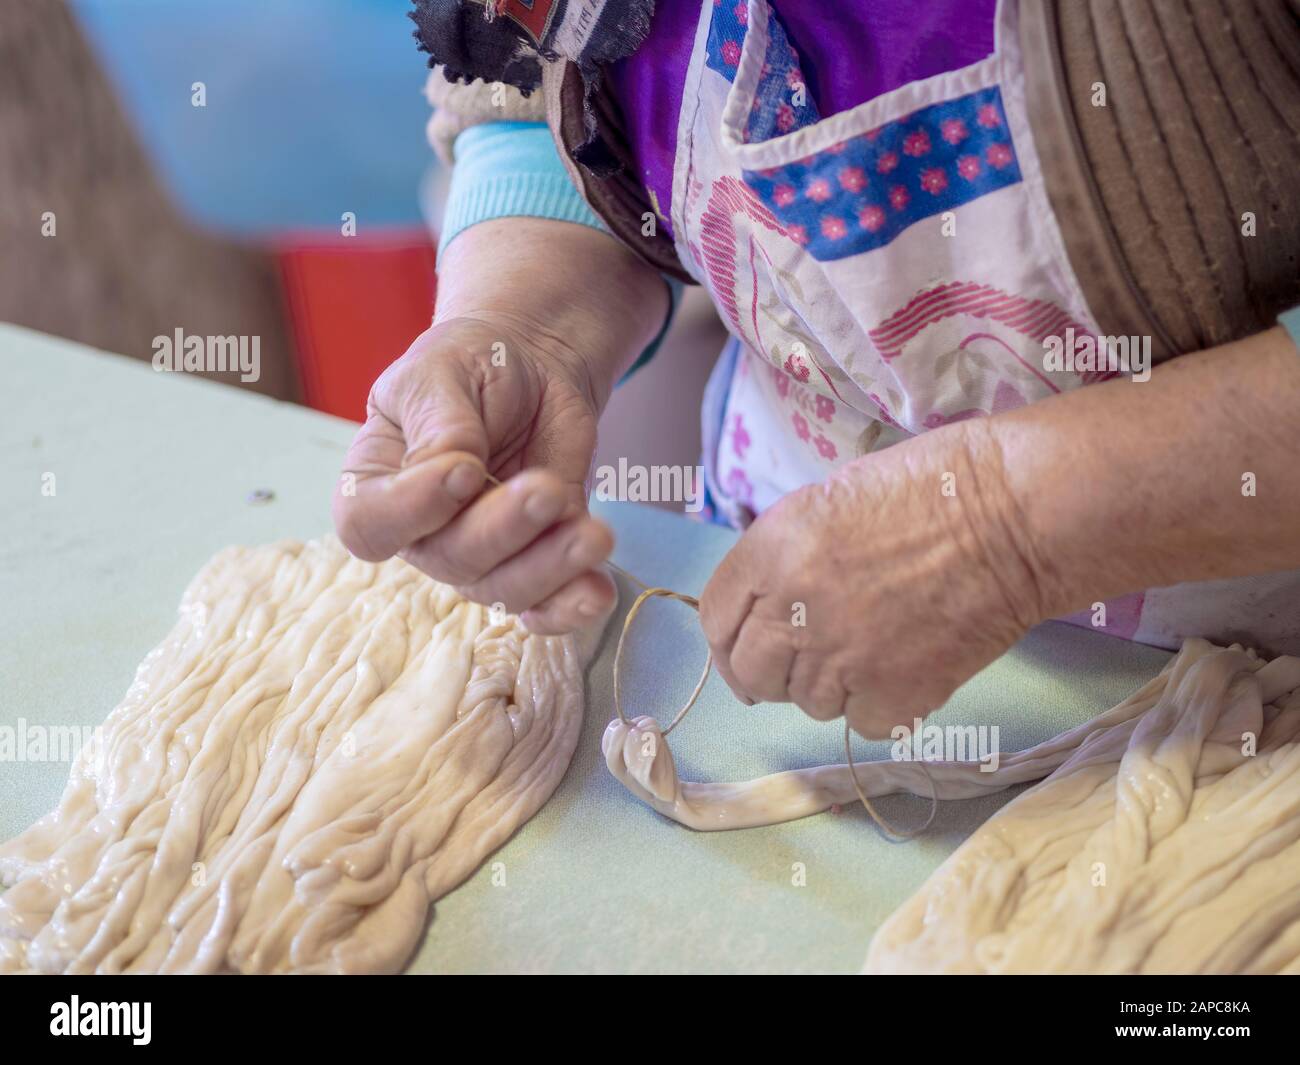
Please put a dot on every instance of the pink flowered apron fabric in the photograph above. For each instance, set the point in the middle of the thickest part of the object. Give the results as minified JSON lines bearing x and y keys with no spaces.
{"x":883,"y":271}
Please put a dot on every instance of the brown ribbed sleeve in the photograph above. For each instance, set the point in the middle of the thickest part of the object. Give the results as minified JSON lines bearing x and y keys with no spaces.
{"x":1201,"y":125}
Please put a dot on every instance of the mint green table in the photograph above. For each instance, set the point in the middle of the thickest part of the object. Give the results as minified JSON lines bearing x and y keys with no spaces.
{"x":153,"y":473}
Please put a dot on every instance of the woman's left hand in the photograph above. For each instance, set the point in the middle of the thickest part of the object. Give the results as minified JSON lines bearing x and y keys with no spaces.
{"x":877,"y":593}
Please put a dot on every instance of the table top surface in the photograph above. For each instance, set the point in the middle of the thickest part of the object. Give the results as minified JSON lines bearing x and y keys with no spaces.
{"x":153,"y":474}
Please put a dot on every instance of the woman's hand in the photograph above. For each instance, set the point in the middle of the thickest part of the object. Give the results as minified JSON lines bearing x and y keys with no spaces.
{"x":469,"y":395}
{"x":906,"y":591}
{"x":876,"y":594}
{"x":535,"y":320}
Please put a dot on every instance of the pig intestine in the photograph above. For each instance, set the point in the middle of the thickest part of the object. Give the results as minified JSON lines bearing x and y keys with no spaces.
{"x":1165,"y":837}
{"x":318,"y":750}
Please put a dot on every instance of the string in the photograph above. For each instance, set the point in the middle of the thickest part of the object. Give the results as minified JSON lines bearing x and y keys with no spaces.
{"x":649,"y":592}
{"x":881,"y":821}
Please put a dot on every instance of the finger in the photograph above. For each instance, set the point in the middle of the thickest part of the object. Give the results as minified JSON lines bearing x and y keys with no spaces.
{"x":723,"y":666}
{"x":549,"y":563}
{"x":417,"y":459}
{"x":578,"y":603}
{"x":762,"y":657}
{"x":877,"y":707}
{"x":869,"y":719}
{"x":385,"y":512}
{"x":815,"y":688}
{"x":723,"y":608}
{"x":439,"y":407}
{"x":491,"y":529}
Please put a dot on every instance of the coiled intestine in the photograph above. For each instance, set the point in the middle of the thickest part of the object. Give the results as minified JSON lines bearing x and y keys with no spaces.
{"x":318,"y":750}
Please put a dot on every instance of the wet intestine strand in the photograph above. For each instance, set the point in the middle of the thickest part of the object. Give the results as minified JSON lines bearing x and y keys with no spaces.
{"x":1163,"y":836}
{"x":318,"y":750}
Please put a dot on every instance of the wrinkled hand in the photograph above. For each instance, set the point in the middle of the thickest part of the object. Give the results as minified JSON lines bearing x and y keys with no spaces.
{"x":436,"y":419}
{"x":877,"y":593}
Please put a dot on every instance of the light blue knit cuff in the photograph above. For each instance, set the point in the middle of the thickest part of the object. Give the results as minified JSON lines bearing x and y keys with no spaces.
{"x":1290,"y":321}
{"x":512,"y":169}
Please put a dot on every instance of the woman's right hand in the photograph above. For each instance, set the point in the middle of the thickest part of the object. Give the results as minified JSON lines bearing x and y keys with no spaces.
{"x":536,"y":320}
{"x":474,"y":394}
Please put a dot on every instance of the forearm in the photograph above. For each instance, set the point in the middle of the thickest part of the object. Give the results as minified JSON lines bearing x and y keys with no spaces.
{"x":1192,"y":475}
{"x":573,"y":289}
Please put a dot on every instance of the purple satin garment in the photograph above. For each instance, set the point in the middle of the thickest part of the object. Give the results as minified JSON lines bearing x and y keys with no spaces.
{"x":850,"y":53}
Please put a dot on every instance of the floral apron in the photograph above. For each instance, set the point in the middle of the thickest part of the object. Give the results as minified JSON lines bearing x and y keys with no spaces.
{"x":883,"y":271}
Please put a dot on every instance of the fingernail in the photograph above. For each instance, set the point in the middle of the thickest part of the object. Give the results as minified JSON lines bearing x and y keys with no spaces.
{"x":577,"y":551}
{"x":542,"y":507}
{"x":587,"y":608}
{"x":463,"y":481}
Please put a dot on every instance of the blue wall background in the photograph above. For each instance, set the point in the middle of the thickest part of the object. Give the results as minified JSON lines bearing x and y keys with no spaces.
{"x":314,"y":107}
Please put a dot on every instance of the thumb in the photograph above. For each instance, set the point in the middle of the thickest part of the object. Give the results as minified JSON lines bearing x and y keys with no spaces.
{"x":419,"y":458}
{"x":438,"y":409}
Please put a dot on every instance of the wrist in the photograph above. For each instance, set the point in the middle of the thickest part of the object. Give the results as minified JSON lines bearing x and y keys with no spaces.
{"x":568,"y":291}
{"x":1005,"y":530}
{"x":1063,"y":502}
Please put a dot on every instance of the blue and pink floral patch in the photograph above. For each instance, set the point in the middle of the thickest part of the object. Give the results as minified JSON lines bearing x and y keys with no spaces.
{"x":782,"y":101}
{"x":862,"y":193}
{"x":727,"y":27}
